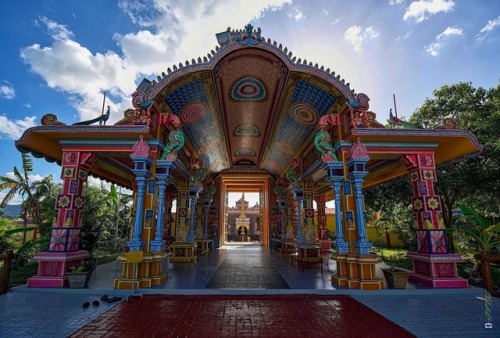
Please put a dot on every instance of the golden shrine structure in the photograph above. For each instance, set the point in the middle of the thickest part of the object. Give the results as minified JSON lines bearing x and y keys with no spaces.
{"x":248,"y":116}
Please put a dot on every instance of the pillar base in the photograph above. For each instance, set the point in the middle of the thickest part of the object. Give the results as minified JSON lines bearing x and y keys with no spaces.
{"x":357,"y":272}
{"x":52,"y":267}
{"x":436,"y":270}
{"x":148,"y":273}
{"x":325,"y":244}
{"x":183,"y":252}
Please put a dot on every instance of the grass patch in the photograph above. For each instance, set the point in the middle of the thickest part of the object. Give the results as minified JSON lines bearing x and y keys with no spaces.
{"x":394,"y":257}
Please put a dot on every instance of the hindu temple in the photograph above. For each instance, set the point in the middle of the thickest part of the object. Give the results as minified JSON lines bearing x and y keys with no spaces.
{"x":248,"y":116}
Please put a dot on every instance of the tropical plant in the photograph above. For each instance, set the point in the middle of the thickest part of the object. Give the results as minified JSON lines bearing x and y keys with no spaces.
{"x":485,"y":239}
{"x":20,"y":184}
{"x":484,"y":236}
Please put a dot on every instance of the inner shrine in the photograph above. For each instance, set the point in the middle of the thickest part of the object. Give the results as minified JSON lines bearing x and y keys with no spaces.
{"x":247,"y":116}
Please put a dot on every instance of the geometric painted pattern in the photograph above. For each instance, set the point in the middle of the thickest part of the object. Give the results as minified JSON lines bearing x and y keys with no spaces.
{"x":244,"y":152}
{"x":192,"y":112}
{"x":58,"y":239}
{"x":314,"y":95}
{"x":191,"y":91}
{"x":246,"y":129}
{"x":304,"y":114}
{"x":248,"y":89}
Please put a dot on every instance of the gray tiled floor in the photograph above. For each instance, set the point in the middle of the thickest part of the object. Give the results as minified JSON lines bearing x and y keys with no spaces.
{"x":425,"y":312}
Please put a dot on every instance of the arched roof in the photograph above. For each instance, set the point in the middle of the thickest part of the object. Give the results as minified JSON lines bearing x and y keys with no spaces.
{"x":249,"y":107}
{"x":252,"y":104}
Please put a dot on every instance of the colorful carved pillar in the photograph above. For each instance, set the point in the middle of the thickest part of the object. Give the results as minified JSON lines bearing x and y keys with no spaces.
{"x":64,"y":247}
{"x":290,"y":217}
{"x":198,"y":223}
{"x":309,"y":226}
{"x":321,"y":205}
{"x":193,"y":197}
{"x":355,"y":264}
{"x":356,"y":173}
{"x":142,"y":166}
{"x":336,"y":177}
{"x":433,"y":265}
{"x":182,"y":222}
{"x":298,"y":195}
{"x":282,"y":207}
{"x":164,"y":170}
{"x":206,"y":212}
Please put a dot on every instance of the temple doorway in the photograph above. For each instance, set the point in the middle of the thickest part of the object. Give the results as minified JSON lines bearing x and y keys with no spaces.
{"x":245,"y":206}
{"x":242,"y":216}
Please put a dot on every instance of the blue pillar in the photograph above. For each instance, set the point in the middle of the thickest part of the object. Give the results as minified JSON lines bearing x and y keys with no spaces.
{"x":163,"y":174}
{"x":193,"y":196}
{"x":356,"y":169}
{"x":336,"y":176}
{"x":142,"y":173}
{"x":282,"y":205}
{"x":298,"y":195}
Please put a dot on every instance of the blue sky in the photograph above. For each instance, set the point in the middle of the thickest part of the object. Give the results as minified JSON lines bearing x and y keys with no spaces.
{"x":60,"y":56}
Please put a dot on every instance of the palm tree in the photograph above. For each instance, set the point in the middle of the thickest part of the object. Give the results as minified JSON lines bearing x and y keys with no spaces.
{"x":20,"y":184}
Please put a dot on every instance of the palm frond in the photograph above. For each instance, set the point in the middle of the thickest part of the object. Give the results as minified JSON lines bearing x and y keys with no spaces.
{"x":27,"y":164}
{"x":8,"y":197}
{"x":20,"y":177}
{"x":474,"y":216}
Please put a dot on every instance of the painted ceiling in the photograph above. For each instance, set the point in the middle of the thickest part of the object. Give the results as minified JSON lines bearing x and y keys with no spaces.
{"x":250,"y":106}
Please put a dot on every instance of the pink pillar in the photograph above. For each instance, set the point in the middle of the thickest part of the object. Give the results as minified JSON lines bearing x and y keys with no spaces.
{"x":433,"y":265}
{"x":64,"y":247}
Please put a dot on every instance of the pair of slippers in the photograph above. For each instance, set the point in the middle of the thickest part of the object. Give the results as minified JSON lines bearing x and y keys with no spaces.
{"x":104,"y":298}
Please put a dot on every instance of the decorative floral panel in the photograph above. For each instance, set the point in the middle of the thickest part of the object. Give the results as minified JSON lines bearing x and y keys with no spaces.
{"x":58,"y":239}
{"x":438,"y":240}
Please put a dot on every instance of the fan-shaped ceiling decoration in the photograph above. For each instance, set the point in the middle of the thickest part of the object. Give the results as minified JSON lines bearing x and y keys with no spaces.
{"x":244,"y":152}
{"x":248,"y":89}
{"x":247,"y":129}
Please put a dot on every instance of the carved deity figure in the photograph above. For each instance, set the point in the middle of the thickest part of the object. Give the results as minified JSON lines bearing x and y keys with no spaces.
{"x":357,"y":121}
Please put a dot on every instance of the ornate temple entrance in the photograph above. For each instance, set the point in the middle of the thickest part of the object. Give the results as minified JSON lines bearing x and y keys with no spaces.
{"x":249,"y":116}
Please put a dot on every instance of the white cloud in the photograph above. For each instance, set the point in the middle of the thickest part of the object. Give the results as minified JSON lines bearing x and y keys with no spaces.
{"x":395,"y":2}
{"x":57,"y":31}
{"x":336,"y":20}
{"x":434,"y":48}
{"x":492,"y":24}
{"x":7,"y":92}
{"x":13,"y":129}
{"x":355,"y":35}
{"x":421,"y":10}
{"x":296,"y":14}
{"x":171,"y":32}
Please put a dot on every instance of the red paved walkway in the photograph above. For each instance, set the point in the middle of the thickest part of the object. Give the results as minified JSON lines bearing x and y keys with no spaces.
{"x":241,"y":316}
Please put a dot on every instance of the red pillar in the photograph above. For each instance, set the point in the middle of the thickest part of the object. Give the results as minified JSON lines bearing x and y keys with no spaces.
{"x":64,"y":246}
{"x":433,"y":265}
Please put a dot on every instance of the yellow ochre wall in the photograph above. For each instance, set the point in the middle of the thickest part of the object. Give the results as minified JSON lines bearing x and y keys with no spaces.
{"x":371,"y":232}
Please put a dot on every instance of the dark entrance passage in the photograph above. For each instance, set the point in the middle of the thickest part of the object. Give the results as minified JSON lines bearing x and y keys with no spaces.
{"x":246,"y":267}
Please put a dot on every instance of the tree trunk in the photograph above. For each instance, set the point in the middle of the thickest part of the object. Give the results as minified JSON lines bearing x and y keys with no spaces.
{"x":448,"y":221}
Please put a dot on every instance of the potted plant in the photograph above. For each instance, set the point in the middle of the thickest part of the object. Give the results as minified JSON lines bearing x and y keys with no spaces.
{"x":79,"y":276}
{"x":396,"y":277}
